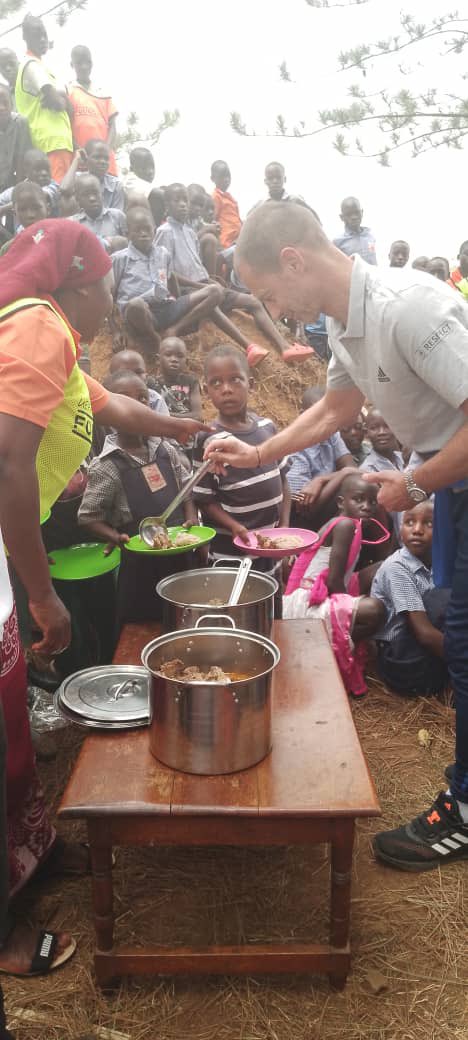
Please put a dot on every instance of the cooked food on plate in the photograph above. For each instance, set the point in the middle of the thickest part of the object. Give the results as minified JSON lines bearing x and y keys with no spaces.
{"x":281,"y":541}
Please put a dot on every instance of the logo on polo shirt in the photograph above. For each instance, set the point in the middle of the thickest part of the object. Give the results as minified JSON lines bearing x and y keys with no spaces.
{"x":381,"y":376}
{"x":436,"y":337}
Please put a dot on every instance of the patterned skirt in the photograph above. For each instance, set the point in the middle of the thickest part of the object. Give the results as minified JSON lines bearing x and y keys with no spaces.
{"x":30,"y":833}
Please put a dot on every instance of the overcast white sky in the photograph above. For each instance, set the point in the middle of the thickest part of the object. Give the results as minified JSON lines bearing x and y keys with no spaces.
{"x":207,"y":59}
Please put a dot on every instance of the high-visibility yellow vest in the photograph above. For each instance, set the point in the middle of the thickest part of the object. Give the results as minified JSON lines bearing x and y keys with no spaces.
{"x":50,"y":131}
{"x":67,"y":439}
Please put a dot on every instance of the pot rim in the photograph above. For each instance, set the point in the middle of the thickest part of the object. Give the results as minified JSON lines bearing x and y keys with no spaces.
{"x":207,"y":571}
{"x":170,"y":637}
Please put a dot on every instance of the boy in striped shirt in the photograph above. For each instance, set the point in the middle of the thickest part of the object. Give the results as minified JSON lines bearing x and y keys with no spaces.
{"x":240,"y":500}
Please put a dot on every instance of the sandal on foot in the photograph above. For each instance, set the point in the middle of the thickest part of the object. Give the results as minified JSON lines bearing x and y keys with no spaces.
{"x":256,"y":354}
{"x":298,"y":353}
{"x":44,"y":960}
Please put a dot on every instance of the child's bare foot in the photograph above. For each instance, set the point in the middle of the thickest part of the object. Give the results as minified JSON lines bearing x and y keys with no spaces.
{"x":28,"y":951}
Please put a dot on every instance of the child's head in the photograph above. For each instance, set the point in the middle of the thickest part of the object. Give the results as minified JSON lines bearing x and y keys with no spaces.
{"x":221,"y":174}
{"x":227,"y":380}
{"x":463,"y":259}
{"x":157,"y":203}
{"x":29,"y":203}
{"x":142,"y":163}
{"x":9,"y":65}
{"x":88,"y":195}
{"x":420,"y":263}
{"x":379,"y":433}
{"x":351,"y":213}
{"x":5,"y":106}
{"x":82,"y":64}
{"x":172,"y":356}
{"x":98,"y":156}
{"x":129,"y":384}
{"x":209,"y":214}
{"x":275,"y":178}
{"x":399,"y":253}
{"x":140,"y":228}
{"x":37,"y":167}
{"x":196,"y":199}
{"x":128,"y":361}
{"x":353,"y":435}
{"x":357,"y":498}
{"x":311,"y":396}
{"x":35,"y":35}
{"x":177,"y":202}
{"x":416,"y":529}
{"x":439,"y":267}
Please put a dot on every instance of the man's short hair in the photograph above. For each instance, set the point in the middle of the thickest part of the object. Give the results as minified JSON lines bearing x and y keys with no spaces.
{"x":272,"y":227}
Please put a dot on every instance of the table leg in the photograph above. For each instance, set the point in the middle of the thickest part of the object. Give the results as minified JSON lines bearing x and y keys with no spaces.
{"x":341,"y":863}
{"x":101,"y":869}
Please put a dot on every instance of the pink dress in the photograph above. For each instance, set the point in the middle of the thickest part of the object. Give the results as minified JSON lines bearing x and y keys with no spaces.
{"x":307,"y":595}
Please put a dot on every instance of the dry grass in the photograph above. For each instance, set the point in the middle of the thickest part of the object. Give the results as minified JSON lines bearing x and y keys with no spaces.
{"x":410,"y":929}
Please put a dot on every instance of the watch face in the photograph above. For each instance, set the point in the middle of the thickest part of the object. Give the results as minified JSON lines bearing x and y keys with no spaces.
{"x":417,"y":495}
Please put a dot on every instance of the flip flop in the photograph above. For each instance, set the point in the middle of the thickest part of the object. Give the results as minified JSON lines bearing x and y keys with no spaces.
{"x":256,"y":354}
{"x":43,"y":960}
{"x":298,"y":353}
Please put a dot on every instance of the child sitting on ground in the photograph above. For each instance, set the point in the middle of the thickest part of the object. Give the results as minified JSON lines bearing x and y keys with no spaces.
{"x":237,"y":502}
{"x":385,"y":453}
{"x":182,"y":243}
{"x":132,"y":478}
{"x":323,"y":585}
{"x":133,"y":361}
{"x":95,"y":157}
{"x":207,"y":234}
{"x":354,"y":436}
{"x":410,"y":645}
{"x":36,"y":168}
{"x":29,"y":205}
{"x":110,"y":225}
{"x":179,"y":389}
{"x":318,"y":461}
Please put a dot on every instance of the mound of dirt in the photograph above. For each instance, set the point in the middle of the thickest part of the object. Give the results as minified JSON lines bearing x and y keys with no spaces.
{"x":277,"y":389}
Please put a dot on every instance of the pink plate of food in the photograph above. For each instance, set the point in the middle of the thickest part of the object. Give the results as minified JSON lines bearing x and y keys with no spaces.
{"x":277,"y":542}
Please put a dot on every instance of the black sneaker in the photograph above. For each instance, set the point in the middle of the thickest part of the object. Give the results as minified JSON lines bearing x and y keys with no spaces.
{"x":435,"y":837}
{"x":450,"y":772}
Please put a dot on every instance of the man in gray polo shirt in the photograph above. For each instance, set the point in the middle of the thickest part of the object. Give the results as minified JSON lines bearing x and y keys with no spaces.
{"x":400,"y":339}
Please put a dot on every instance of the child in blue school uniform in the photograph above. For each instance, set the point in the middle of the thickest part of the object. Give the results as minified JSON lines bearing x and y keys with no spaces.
{"x":410,"y":645}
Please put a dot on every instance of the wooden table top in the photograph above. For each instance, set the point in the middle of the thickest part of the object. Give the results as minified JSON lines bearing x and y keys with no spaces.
{"x":316,"y":767}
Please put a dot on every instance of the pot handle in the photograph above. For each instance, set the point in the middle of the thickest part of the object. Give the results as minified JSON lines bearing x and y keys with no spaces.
{"x":214,"y":617}
{"x":222,"y":560}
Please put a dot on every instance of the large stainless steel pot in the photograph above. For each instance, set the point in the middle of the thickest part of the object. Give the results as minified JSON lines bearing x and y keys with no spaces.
{"x":188,"y":596}
{"x":211,"y":728}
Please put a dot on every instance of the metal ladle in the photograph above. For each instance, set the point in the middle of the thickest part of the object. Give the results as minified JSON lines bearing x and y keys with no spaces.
{"x":154,"y":526}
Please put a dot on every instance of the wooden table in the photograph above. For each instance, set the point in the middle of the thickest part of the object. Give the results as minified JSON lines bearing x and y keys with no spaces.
{"x":309,"y":790}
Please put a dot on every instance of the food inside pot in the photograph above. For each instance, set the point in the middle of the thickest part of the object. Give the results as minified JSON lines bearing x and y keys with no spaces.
{"x":282,"y":541}
{"x":176,"y":669}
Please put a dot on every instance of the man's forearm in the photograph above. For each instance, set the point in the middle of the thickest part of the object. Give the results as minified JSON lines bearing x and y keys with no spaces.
{"x":132,"y":417}
{"x":448,"y":466}
{"x":19,"y":520}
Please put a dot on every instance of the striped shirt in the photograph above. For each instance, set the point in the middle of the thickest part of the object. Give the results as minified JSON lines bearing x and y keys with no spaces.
{"x":252,"y":497}
{"x":401,"y":583}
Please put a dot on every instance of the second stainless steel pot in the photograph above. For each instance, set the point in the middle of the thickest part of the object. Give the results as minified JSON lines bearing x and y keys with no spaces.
{"x":189,"y":595}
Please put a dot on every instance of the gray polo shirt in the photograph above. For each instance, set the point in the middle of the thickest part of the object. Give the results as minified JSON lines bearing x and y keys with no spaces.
{"x":182,"y":245}
{"x":405,"y":346}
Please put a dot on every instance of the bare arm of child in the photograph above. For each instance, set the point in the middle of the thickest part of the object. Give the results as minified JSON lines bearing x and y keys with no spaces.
{"x":173,"y":285}
{"x":105,"y":533}
{"x":67,"y":185}
{"x":218,"y":515}
{"x":196,"y":406}
{"x":321,"y":490}
{"x":187,"y":282}
{"x":285,"y":511}
{"x":425,"y":632}
{"x":190,"y":513}
{"x":341,"y":538}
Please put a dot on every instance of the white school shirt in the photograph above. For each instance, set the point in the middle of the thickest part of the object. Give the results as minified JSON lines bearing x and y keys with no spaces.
{"x":6,"y":595}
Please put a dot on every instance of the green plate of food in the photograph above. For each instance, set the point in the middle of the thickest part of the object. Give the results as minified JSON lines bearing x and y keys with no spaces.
{"x":79,"y":562}
{"x":179,"y":540}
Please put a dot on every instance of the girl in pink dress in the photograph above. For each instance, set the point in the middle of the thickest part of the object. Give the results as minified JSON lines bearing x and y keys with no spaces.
{"x":323,"y":583}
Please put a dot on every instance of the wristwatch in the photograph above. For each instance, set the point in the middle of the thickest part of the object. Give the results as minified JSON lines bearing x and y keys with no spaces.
{"x":415,"y":493}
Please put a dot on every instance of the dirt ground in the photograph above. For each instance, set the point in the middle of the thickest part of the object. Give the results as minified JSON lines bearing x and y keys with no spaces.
{"x":277,"y":387}
{"x":409,"y":978}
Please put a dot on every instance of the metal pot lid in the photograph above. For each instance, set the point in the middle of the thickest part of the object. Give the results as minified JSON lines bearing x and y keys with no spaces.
{"x":80,"y":720}
{"x":110,"y":693}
